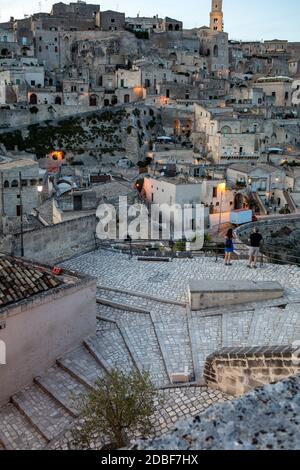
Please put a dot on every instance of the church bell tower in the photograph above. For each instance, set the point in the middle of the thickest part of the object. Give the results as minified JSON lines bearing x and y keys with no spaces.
{"x":216,"y":16}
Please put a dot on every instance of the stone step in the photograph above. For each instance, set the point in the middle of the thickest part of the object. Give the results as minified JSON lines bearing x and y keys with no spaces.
{"x":137,"y":298}
{"x":16,"y":432}
{"x":288,"y":329}
{"x":46,"y":415}
{"x":109,"y":349}
{"x":63,"y":388}
{"x":140,"y":337}
{"x":236,"y":328}
{"x":172,"y":331}
{"x":145,"y":349}
{"x":275,"y":326}
{"x":82,"y":366}
{"x":206,"y":338}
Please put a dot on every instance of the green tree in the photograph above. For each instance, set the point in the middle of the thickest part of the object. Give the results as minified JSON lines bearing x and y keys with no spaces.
{"x":119,"y":406}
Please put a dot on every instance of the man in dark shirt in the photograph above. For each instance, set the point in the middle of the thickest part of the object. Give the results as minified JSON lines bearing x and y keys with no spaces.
{"x":255,"y":242}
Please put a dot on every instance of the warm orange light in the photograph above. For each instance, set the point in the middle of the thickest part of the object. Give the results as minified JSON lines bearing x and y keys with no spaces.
{"x":222,"y":187}
{"x":57,"y":155}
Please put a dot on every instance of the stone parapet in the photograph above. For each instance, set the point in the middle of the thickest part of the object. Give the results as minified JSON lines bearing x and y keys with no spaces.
{"x":238,"y":370}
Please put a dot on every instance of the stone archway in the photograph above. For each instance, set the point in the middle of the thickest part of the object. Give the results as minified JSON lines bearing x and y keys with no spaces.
{"x":177,"y":127}
{"x":58,"y":100}
{"x":93,"y":100}
{"x":33,"y":99}
{"x":240,"y":202}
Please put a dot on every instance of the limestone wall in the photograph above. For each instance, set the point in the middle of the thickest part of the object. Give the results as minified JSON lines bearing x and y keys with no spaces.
{"x":10,"y":118}
{"x":237,"y":370}
{"x":56,"y":242}
{"x":39,"y":330}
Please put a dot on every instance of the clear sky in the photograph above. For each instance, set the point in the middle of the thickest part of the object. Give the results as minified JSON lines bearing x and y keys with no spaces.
{"x":244,"y":19}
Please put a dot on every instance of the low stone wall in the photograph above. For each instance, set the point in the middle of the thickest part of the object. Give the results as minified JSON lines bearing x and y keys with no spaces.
{"x":237,"y":370}
{"x":267,"y":226}
{"x":54,"y":243}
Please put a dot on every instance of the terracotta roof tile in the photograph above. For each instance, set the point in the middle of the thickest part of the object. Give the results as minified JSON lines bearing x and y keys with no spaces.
{"x":20,"y":280}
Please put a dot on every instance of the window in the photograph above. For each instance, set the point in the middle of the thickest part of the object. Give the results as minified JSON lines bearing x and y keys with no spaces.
{"x":6,"y":184}
{"x":32,"y":82}
{"x":15,"y":184}
{"x":215,"y":192}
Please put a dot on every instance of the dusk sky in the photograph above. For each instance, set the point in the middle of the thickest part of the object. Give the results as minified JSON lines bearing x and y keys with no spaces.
{"x":255,"y":19}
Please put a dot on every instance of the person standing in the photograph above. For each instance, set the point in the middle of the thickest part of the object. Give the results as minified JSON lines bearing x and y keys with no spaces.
{"x":255,"y":243}
{"x":229,"y":248}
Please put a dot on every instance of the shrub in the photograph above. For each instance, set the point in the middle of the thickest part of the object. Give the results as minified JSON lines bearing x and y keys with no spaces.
{"x":119,"y":406}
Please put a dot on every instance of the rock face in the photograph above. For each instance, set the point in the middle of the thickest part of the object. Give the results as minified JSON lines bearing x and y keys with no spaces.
{"x":265,"y":419}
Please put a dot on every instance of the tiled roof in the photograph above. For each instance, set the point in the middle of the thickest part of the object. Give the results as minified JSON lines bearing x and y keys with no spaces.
{"x":20,"y":280}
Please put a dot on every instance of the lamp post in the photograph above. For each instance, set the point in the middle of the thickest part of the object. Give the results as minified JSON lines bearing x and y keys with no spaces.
{"x":21,"y":215}
{"x":222,"y":188}
{"x":129,"y":239}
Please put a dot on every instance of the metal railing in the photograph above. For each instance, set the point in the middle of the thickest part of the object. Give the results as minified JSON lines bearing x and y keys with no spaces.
{"x":268,"y":253}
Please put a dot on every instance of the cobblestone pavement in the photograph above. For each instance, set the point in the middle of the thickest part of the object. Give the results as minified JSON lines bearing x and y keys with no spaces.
{"x":145,"y":347}
{"x":147,"y":327}
{"x":117,"y":270}
{"x":176,"y":404}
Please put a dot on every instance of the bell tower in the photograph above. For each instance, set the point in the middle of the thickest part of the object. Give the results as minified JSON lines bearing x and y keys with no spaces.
{"x":216,"y":16}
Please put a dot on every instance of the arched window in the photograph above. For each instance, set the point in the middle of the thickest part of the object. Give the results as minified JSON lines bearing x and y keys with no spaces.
{"x":114,"y":100}
{"x":4,"y":52}
{"x":33,"y":99}
{"x":33,"y":182}
{"x":226,"y":130}
{"x":93,"y":100}
{"x":15,"y":184}
{"x":126,"y":98}
{"x":106,"y":102}
{"x":216,"y":51}
{"x":58,"y":100}
{"x":177,"y":27}
{"x":6,"y":184}
{"x":170,"y":27}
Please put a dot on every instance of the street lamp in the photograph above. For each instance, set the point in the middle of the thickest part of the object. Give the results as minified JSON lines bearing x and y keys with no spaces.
{"x":222,"y":189}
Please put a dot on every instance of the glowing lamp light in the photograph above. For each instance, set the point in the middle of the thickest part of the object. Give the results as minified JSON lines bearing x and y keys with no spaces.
{"x":39,"y":188}
{"x":222,"y":187}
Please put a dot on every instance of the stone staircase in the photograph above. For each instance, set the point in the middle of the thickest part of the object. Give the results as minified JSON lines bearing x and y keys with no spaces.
{"x":142,"y":332}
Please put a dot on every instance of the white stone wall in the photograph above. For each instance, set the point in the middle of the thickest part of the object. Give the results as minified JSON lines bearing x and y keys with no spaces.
{"x":40,"y":330}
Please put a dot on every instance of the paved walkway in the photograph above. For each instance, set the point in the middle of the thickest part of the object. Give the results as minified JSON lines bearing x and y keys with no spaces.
{"x":144,"y":323}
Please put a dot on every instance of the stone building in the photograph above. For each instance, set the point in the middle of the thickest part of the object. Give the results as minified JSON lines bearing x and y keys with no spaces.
{"x":278,"y":88}
{"x":214,"y":43}
{"x":216,"y":16}
{"x":42,"y":316}
{"x":227,"y":135}
{"x":10,"y":170}
{"x":110,"y":20}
